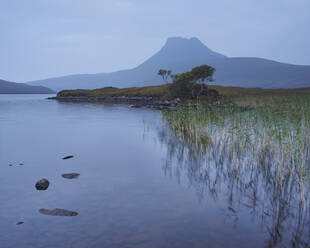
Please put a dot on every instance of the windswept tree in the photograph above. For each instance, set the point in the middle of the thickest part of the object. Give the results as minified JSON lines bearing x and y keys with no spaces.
{"x":191,"y":84}
{"x":165,"y":74}
{"x":203,"y":73}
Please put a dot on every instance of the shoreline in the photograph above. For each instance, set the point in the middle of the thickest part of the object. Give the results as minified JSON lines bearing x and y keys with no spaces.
{"x":149,"y":102}
{"x":135,"y":102}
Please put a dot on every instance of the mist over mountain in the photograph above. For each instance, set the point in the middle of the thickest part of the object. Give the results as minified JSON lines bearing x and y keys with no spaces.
{"x":179,"y":55}
{"x":18,"y":88}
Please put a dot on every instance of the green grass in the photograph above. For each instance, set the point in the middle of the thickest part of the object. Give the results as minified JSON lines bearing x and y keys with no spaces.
{"x":275,"y":131}
{"x":151,"y":91}
{"x":162,"y":91}
{"x":241,"y":92}
{"x":255,"y":158}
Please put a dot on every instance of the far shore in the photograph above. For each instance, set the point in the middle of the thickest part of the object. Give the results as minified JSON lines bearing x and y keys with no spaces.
{"x":156,"y":96}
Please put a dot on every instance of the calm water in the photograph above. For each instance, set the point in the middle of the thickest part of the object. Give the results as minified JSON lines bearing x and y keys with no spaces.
{"x":136,"y":188}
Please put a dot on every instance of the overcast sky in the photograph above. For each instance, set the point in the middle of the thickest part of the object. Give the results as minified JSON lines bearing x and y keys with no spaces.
{"x":48,"y":38}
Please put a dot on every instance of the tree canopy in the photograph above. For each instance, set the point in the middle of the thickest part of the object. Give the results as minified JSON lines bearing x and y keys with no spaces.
{"x":203,"y":73}
{"x":191,"y":84}
{"x":165,"y":74}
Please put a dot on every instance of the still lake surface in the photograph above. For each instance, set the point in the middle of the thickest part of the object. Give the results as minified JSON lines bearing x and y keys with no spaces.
{"x":132,"y":190}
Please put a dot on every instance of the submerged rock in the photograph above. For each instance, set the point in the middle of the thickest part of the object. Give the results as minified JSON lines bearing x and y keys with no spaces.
{"x":232,"y":210}
{"x":57,"y":212}
{"x":136,"y":106}
{"x":19,"y":223}
{"x":70,"y":175}
{"x":42,"y":184}
{"x":67,"y":157}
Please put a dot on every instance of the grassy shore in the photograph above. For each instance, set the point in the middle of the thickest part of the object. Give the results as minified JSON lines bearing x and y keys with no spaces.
{"x":259,"y":156}
{"x":274,"y":131}
{"x":262,"y":128}
{"x":162,"y":91}
{"x":241,"y":92}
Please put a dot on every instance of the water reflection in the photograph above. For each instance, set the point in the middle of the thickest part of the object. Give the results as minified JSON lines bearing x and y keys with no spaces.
{"x":122,"y":197}
{"x":277,"y":197}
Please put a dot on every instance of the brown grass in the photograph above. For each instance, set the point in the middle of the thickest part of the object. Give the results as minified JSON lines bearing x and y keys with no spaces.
{"x":162,"y":91}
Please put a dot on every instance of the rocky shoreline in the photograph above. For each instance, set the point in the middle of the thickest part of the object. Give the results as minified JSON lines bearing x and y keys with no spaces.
{"x":153,"y":102}
{"x":135,"y":102}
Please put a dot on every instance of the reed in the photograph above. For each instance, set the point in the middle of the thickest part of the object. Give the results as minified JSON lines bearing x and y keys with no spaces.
{"x":255,"y":153}
{"x":259,"y":129}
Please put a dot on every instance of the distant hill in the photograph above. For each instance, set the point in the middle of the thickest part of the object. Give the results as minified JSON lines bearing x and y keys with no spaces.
{"x":179,"y":55}
{"x":17,"y":88}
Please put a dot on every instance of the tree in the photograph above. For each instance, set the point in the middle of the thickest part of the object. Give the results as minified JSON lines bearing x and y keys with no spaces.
{"x":203,"y":73}
{"x":191,"y":84}
{"x":165,"y":74}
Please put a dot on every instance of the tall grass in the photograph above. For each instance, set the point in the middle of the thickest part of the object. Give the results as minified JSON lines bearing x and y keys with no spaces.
{"x":270,"y":130}
{"x":255,"y":152}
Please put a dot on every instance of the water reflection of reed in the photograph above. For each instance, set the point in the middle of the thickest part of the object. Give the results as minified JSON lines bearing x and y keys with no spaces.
{"x":275,"y":194}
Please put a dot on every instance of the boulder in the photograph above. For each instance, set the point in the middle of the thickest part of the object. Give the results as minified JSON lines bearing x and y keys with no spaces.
{"x":67,"y":157}
{"x":42,"y":184}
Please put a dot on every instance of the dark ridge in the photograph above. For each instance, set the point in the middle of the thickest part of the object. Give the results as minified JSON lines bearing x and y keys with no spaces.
{"x":19,"y":88}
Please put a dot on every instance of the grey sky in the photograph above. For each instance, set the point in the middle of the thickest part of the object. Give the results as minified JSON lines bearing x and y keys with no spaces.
{"x":47,"y":38}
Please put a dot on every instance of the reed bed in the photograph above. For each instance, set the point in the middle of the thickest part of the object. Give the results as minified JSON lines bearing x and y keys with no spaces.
{"x":256,"y":151}
{"x":262,"y":130}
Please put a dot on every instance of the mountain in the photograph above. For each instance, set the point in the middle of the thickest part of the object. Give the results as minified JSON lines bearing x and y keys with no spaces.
{"x":179,"y":55}
{"x":18,"y":88}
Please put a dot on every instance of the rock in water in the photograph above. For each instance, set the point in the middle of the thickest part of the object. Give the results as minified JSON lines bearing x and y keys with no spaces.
{"x":42,"y":184}
{"x":57,"y":212}
{"x":67,"y":157}
{"x":19,"y":223}
{"x":70,"y":175}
